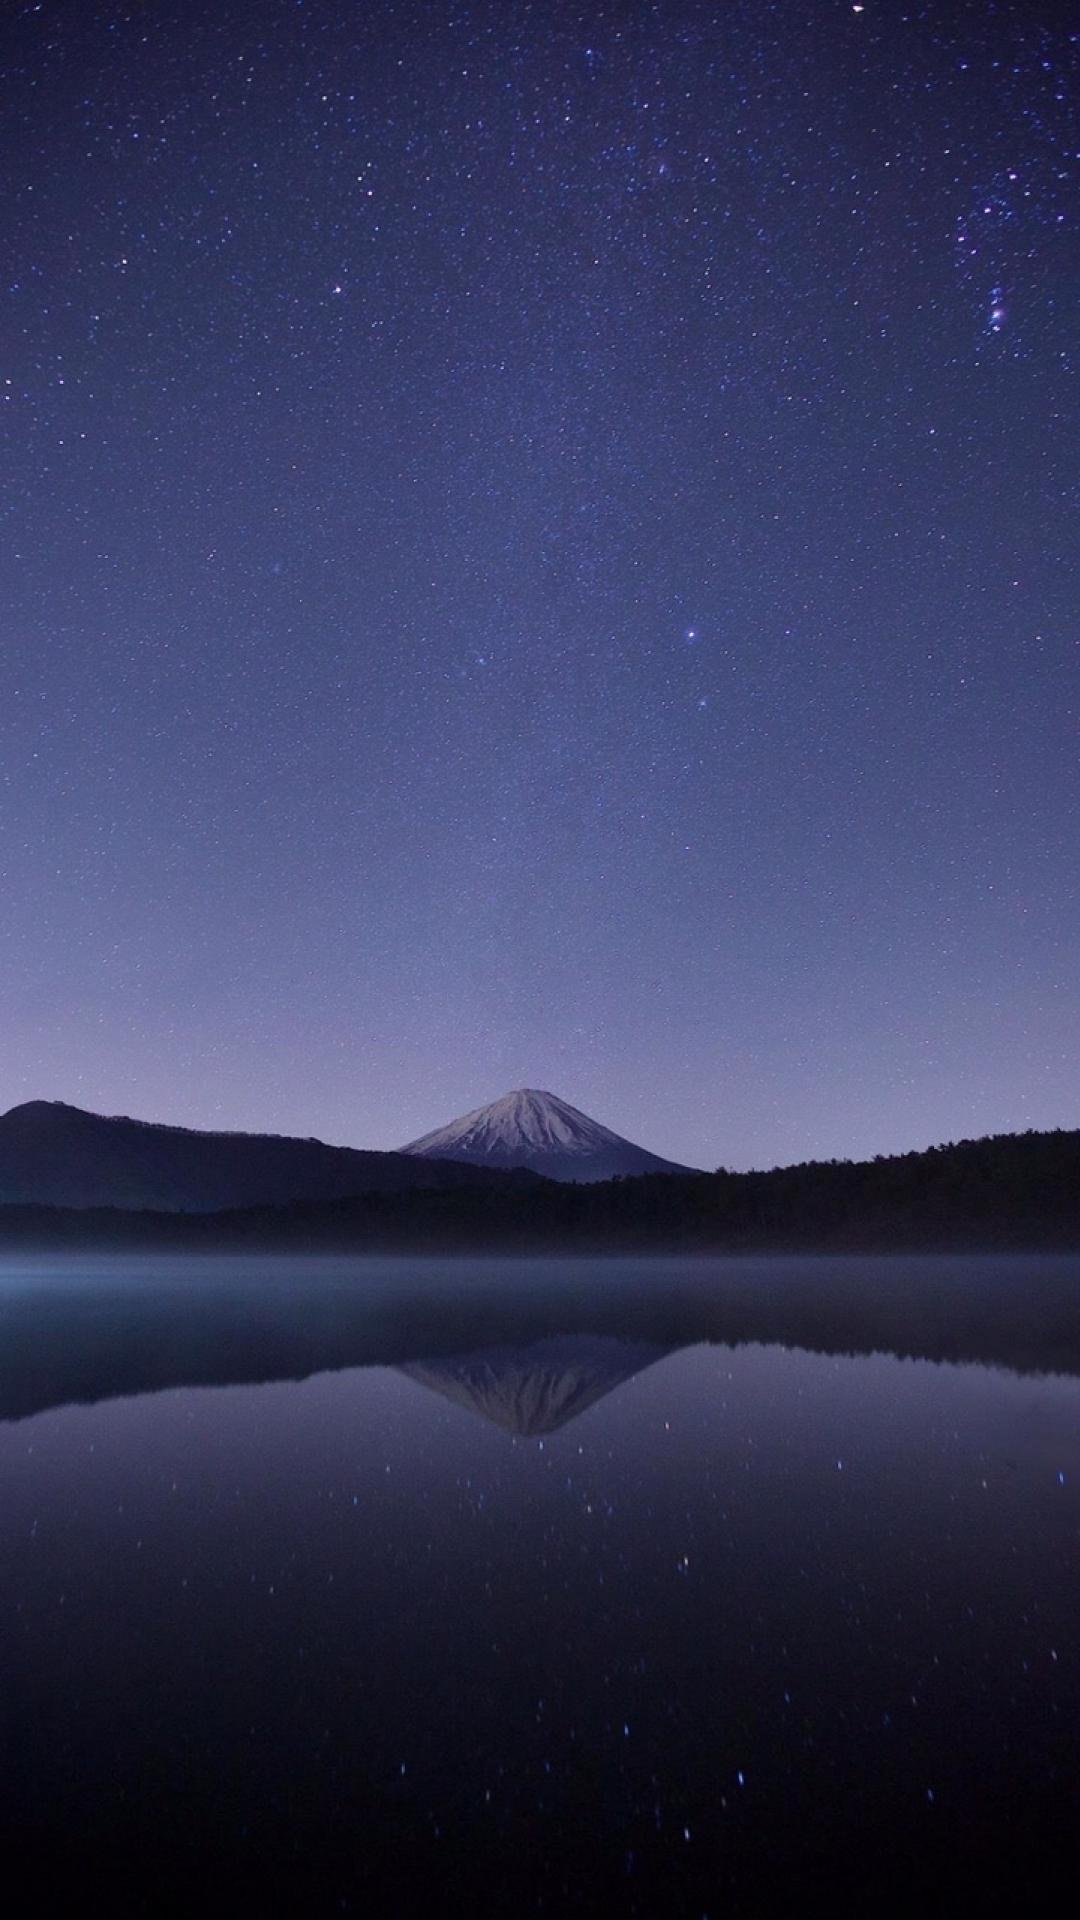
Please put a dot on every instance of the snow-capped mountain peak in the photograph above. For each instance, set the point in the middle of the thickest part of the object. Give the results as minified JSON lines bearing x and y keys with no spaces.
{"x":533,"y":1128}
{"x":526,"y":1117}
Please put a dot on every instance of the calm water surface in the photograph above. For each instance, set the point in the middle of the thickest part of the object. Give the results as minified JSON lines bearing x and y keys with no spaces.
{"x":544,"y":1608}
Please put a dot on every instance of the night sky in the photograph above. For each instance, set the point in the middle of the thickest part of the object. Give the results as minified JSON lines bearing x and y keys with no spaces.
{"x":539,"y":546}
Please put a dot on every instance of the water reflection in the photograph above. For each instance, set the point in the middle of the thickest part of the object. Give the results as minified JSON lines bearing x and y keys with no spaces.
{"x":618,"y":1617}
{"x":71,"y":1333}
{"x":536,"y":1389}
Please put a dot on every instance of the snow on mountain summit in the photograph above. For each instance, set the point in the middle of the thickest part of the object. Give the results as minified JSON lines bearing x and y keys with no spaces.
{"x":532,"y":1128}
{"x":527,"y":1118}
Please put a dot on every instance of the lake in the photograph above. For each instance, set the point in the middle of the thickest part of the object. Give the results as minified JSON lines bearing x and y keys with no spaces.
{"x":688,"y":1588}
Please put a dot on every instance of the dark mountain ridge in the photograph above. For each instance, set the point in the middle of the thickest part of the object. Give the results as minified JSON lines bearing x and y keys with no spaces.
{"x":1009,"y":1191}
{"x":56,"y":1155}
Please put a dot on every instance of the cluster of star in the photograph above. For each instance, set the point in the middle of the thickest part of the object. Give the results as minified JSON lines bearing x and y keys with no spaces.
{"x":546,"y":496}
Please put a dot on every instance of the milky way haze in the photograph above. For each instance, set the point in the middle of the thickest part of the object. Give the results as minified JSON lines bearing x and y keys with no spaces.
{"x":539,"y":547}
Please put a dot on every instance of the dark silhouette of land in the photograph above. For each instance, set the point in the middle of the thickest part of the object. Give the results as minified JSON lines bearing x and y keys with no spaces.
{"x":55,"y":1155}
{"x":1009,"y":1191}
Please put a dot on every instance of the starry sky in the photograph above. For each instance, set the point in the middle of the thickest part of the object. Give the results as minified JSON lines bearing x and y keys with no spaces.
{"x":539,"y":547}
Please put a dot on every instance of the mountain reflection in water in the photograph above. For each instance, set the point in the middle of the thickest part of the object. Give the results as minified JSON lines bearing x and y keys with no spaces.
{"x":535,"y":1390}
{"x":71,"y":1332}
{"x":655,"y":1604}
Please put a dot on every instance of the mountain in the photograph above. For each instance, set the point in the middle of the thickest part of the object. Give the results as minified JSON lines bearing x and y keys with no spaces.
{"x":60,"y":1156}
{"x":536,"y":1389}
{"x":539,"y":1131}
